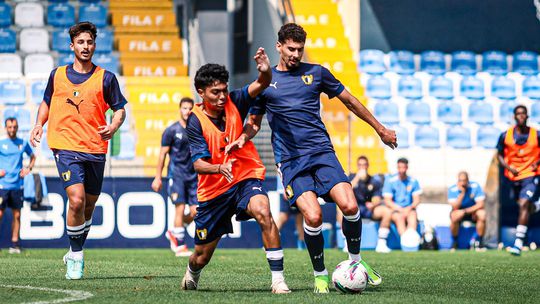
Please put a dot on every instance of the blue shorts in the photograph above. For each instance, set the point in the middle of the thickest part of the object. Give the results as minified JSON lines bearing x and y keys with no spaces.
{"x":213,"y":217}
{"x":526,"y":188}
{"x":183,"y":192}
{"x":365,"y":212}
{"x":74,"y":170}
{"x":11,"y":198}
{"x":285,"y":207}
{"x":318,"y":173}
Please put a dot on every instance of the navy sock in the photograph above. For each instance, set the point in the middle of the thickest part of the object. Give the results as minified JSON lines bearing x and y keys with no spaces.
{"x":87,"y":226}
{"x":352,"y":229}
{"x":75,"y":234}
{"x":275,"y":258}
{"x":315,"y":246}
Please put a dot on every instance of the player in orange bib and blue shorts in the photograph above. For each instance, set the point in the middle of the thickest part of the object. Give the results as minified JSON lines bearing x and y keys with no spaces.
{"x":230,"y":180}
{"x":75,"y":101}
{"x":519,"y":155}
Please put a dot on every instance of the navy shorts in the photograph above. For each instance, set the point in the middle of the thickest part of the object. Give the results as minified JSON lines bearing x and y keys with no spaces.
{"x":11,"y":198}
{"x":318,"y":173}
{"x":365,"y":212}
{"x":73,"y":170}
{"x":526,"y":188}
{"x":183,"y":192}
{"x":285,"y":207}
{"x":213,"y":217}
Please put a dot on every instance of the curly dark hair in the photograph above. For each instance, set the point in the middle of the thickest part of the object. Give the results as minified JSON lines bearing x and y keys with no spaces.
{"x":83,"y":27}
{"x":292,"y":31}
{"x":209,"y":73}
{"x":520,"y":107}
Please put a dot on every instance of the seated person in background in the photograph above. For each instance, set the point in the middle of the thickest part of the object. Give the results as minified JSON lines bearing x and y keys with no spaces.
{"x":402,"y":195}
{"x":467,"y":200}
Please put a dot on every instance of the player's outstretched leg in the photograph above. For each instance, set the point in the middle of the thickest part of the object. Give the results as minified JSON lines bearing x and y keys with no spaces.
{"x":75,"y":227}
{"x":200,"y":258}
{"x":525,"y":208}
{"x":259,"y":208}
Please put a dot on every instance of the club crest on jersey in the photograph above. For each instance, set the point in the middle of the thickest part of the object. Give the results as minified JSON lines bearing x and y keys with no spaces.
{"x":307,"y":79}
{"x":202,"y":234}
{"x":179,"y":135}
{"x":289,"y":192}
{"x":76,"y":93}
{"x":174,"y":196}
{"x":66,"y":175}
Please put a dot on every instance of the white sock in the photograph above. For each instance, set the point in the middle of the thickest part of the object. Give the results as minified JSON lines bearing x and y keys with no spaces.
{"x":383,"y":233}
{"x":521,"y":231}
{"x":179,"y":232}
{"x":194,"y":274}
{"x":318,"y":273}
{"x":277,"y":276}
{"x":518,"y":243}
{"x":76,"y":255}
{"x":355,"y":257}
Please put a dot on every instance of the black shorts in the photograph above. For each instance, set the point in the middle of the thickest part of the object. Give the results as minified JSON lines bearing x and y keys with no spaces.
{"x":11,"y":198}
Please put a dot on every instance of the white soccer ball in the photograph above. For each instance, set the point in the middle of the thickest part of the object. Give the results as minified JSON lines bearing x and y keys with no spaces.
{"x":350,"y":277}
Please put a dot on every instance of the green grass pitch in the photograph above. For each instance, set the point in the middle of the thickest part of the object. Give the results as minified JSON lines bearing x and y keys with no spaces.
{"x":242,"y":276}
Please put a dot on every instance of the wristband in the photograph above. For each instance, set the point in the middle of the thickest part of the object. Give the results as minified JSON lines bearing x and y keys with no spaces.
{"x":219,"y":168}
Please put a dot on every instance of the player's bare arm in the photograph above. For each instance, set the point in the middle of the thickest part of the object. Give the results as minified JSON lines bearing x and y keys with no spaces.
{"x":107,"y":132}
{"x":157,"y":183}
{"x":506,"y":166}
{"x":387,"y":136}
{"x":265,"y":74}
{"x":26,"y":170}
{"x":203,"y":167}
{"x":42,"y":117}
{"x":251,"y":128}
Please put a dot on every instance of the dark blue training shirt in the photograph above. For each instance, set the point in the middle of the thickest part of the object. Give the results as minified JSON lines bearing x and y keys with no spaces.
{"x":197,"y":143}
{"x":292,"y":103}
{"x":180,"y":166}
{"x":111,"y":93}
{"x":520,"y":139}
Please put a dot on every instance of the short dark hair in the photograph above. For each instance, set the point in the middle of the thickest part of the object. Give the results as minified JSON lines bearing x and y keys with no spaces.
{"x":209,"y":73}
{"x":83,"y":27}
{"x":291,"y":31}
{"x":362,"y":157}
{"x":10,"y":119}
{"x":403,"y":160}
{"x":186,"y":99}
{"x":520,"y":107}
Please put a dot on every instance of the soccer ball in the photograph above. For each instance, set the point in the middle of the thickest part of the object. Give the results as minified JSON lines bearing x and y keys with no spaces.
{"x":350,"y":277}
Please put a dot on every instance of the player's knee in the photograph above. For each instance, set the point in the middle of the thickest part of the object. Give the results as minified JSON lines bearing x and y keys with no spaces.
{"x":313,"y":219}
{"x":263,"y":216}
{"x":350,"y":209}
{"x":76,"y":206}
{"x":454,"y":217}
{"x":481,"y":215}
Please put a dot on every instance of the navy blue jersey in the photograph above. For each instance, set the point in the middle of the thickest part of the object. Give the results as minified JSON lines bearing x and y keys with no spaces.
{"x":292,"y":104}
{"x":197,"y":143}
{"x":520,"y":139}
{"x":366,"y":189}
{"x":180,"y":165}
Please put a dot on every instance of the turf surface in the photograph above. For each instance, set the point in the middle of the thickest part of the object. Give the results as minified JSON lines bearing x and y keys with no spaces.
{"x":242,"y":276}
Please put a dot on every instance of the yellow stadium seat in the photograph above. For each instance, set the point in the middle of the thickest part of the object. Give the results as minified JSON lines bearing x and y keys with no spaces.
{"x":154,"y":68}
{"x":144,"y":18}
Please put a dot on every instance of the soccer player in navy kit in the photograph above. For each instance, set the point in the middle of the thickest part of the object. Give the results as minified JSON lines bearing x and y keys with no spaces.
{"x":302,"y":147}
{"x":182,"y":188}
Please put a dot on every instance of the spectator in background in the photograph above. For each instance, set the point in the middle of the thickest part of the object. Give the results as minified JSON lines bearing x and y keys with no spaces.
{"x":12,"y":174}
{"x":467,"y":200}
{"x":402,"y":195}
{"x":285,"y":211}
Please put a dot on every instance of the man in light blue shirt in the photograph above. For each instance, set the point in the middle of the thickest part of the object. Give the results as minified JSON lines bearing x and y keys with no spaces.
{"x":402,"y":195}
{"x":467,"y":201}
{"x":12,"y":173}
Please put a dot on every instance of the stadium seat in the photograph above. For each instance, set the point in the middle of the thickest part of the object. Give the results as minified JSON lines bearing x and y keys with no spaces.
{"x":58,"y":1}
{"x":387,"y":112}
{"x":372,"y":62}
{"x":531,"y":87}
{"x":95,"y":13}
{"x":418,"y":112}
{"x":410,"y":87}
{"x":12,"y":92}
{"x":449,"y":112}
{"x":34,"y":40}
{"x":37,"y":89}
{"x":494,"y":62}
{"x":503,"y":88}
{"x":402,"y":62}
{"x":441,"y":87}
{"x":61,"y":40}
{"x":535,"y":112}
{"x":432,"y":62}
{"x":107,"y":61}
{"x":127,"y":146}
{"x":8,"y":41}
{"x":426,"y":136}
{"x":506,"y":111}
{"x":481,"y":112}
{"x":487,"y":136}
{"x":45,"y":150}
{"x":472,"y":87}
{"x":60,"y":15}
{"x":5,"y":15}
{"x":65,"y":59}
{"x":458,"y":137}
{"x":104,"y":41}
{"x":378,"y":87}
{"x":402,"y":136}
{"x":525,"y":63}
{"x":464,"y":62}
{"x":38,"y":65}
{"x":10,"y":65}
{"x":89,"y":1}
{"x":29,"y":14}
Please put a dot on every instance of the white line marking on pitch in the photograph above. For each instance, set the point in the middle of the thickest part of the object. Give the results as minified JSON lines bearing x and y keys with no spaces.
{"x":74,"y":295}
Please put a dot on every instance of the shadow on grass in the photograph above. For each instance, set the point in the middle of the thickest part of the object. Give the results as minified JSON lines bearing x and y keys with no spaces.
{"x":149,"y":278}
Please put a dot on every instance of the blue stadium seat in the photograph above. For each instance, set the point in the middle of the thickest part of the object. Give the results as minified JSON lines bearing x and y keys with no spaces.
{"x":432,"y":62}
{"x":12,"y":92}
{"x":426,"y":136}
{"x":127,"y":146}
{"x":449,"y":112}
{"x":535,"y":112}
{"x":37,"y":90}
{"x":8,"y":41}
{"x":104,"y":41}
{"x":458,"y":137}
{"x":402,"y":136}
{"x":410,"y":87}
{"x":402,"y":62}
{"x":464,"y":62}
{"x":441,"y":87}
{"x":472,"y":87}
{"x":494,"y":62}
{"x":95,"y":13}
{"x":503,"y":88}
{"x":525,"y":63}
{"x":60,"y":15}
{"x":531,"y":87}
{"x":107,"y":62}
{"x":90,"y":1}
{"x":418,"y":112}
{"x":487,"y":136}
{"x":5,"y":15}
{"x":506,"y":111}
{"x":372,"y":62}
{"x":481,"y":112}
{"x":61,"y":40}
{"x":387,"y":112}
{"x":378,"y":87}
{"x":58,"y":1}
{"x":45,"y":150}
{"x":65,"y":59}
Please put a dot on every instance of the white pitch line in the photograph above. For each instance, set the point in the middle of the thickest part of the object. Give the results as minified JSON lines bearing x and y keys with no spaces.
{"x":74,"y":295}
